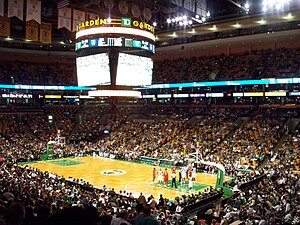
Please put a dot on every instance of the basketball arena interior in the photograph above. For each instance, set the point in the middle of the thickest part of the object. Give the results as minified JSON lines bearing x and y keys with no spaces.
{"x":143,"y":112}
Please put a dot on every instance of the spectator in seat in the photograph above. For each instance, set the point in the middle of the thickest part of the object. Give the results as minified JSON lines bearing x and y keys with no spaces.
{"x":148,"y":219}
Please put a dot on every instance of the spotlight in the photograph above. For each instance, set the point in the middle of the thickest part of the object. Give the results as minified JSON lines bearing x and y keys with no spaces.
{"x":274,"y":4}
{"x":173,"y":20}
{"x":154,"y":24}
{"x":180,"y":18}
{"x":247,"y":6}
{"x":190,"y":22}
{"x":177,"y":19}
{"x":203,"y":19}
{"x":265,"y":3}
{"x":184,"y":17}
{"x":109,"y":20}
{"x":264,"y":9}
{"x":169,"y":20}
{"x":208,"y":14}
{"x":197,"y":16}
{"x":278,"y":6}
{"x":181,"y":23}
{"x":185,"y":22}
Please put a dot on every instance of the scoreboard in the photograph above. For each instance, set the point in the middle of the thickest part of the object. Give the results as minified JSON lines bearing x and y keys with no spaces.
{"x":101,"y":45}
{"x":122,"y":33}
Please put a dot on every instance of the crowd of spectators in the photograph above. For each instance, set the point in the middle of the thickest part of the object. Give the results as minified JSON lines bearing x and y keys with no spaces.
{"x":272,"y":200}
{"x":93,"y":121}
{"x":21,"y":72}
{"x":64,"y":118}
{"x":47,"y":197}
{"x":35,"y":121}
{"x":290,"y":149}
{"x":29,"y":196}
{"x":207,"y":132}
{"x":254,"y":141}
{"x":17,"y":143}
{"x":249,"y":65}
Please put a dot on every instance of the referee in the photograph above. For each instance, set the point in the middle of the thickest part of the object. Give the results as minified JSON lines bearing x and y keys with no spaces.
{"x":174,"y":178}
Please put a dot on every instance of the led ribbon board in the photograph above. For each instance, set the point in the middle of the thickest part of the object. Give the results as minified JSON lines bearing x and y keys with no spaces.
{"x":114,"y":42}
{"x":121,"y":26}
{"x":270,"y":81}
{"x":115,"y":93}
{"x":43,"y":87}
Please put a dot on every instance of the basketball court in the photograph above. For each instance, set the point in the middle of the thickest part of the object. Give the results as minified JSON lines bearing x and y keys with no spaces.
{"x":121,"y":175}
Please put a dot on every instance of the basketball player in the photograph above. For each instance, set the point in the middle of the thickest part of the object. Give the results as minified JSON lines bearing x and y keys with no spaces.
{"x":160,"y":177}
{"x":194,"y":174}
{"x":191,"y":183}
{"x":180,"y":175}
{"x":166,"y":177}
{"x":190,"y":172}
{"x":183,"y":175}
{"x":153,"y":174}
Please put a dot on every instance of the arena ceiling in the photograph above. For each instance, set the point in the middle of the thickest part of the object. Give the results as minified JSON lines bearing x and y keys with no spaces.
{"x":161,"y":10}
{"x":232,"y":24}
{"x":224,"y":15}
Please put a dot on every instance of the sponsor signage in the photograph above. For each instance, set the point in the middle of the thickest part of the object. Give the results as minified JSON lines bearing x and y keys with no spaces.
{"x":121,"y":26}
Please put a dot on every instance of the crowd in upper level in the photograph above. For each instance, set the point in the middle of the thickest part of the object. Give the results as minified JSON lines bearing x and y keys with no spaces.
{"x":38,"y":73}
{"x":256,"y":64}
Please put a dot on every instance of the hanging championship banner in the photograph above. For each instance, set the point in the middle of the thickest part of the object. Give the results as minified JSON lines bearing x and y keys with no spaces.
{"x":32,"y":30}
{"x":46,"y":32}
{"x":147,"y":14}
{"x":64,"y":18}
{"x":4,"y":26}
{"x":123,"y":7}
{"x":33,"y":10}
{"x":109,"y":4}
{"x":1,"y":7}
{"x":15,"y":8}
{"x":78,"y":17}
{"x":136,"y":11}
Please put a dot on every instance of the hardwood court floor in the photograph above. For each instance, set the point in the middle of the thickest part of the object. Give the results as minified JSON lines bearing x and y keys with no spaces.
{"x":121,"y":175}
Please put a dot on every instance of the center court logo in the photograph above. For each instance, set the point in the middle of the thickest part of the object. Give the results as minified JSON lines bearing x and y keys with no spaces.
{"x":113,"y":172}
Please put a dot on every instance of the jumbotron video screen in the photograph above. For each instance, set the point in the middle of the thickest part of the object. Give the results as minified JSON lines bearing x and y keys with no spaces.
{"x":93,"y":70}
{"x":134,"y":70}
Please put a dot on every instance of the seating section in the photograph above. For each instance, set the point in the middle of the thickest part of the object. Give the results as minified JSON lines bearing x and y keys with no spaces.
{"x":261,"y":143}
{"x":256,"y":64}
{"x":254,"y":141}
{"x":18,"y":72}
{"x":290,"y":149}
{"x":249,"y":65}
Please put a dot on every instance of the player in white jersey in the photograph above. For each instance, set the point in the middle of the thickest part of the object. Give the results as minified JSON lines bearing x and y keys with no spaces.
{"x":183,"y":175}
{"x":194,"y":174}
{"x":160,"y":177}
